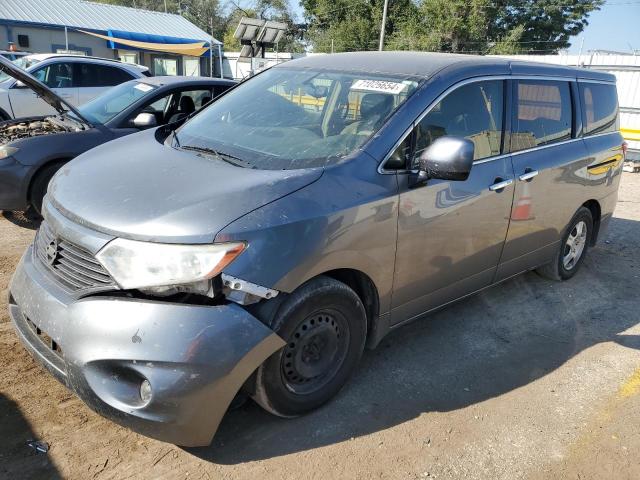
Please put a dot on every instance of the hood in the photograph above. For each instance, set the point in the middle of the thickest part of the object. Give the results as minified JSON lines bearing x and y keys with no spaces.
{"x":39,"y":88}
{"x":138,"y":188}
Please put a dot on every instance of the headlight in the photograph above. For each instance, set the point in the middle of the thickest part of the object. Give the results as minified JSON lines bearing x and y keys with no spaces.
{"x":144,"y":264}
{"x":7,"y":151}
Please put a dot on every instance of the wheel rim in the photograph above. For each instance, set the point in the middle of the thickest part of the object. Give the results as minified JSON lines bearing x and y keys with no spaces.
{"x":574,"y":246}
{"x":315,"y":352}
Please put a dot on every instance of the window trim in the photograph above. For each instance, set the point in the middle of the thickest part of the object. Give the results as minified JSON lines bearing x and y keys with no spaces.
{"x":381,"y":170}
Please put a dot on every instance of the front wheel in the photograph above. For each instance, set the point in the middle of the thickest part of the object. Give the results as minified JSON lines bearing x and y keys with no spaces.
{"x":39,"y":186}
{"x":573,"y":247}
{"x":324,"y":325}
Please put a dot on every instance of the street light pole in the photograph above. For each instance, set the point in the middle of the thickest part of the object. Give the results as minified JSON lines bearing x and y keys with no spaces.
{"x":384,"y":23}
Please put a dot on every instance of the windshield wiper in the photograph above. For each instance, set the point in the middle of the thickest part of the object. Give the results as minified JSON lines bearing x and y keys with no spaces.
{"x":238,"y":162}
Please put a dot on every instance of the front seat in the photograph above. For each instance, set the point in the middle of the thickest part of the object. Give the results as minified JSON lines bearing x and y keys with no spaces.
{"x":187,"y":107}
{"x":374,"y":108}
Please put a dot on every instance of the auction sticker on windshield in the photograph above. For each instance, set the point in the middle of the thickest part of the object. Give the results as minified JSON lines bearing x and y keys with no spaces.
{"x":394,"y":88}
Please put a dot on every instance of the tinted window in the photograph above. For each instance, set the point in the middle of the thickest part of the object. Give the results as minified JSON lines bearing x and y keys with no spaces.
{"x":56,"y":75}
{"x":543,"y":114}
{"x":93,"y":75}
{"x":474,"y":111}
{"x":600,"y":104}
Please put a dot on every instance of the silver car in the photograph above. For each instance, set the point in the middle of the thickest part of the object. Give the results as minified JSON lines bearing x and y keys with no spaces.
{"x":301,"y":217}
{"x":75,"y":78}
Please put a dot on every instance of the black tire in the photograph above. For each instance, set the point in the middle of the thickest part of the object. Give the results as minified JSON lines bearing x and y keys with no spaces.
{"x":557,"y":269}
{"x":39,"y":185}
{"x":325,"y":326}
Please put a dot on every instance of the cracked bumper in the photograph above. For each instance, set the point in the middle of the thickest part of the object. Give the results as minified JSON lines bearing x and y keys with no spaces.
{"x":196,"y":358}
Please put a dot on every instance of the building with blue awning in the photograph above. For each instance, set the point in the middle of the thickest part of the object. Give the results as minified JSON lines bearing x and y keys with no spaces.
{"x":167,"y":43}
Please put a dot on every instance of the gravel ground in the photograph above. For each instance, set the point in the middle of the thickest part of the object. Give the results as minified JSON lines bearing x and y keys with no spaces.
{"x":531,"y":379}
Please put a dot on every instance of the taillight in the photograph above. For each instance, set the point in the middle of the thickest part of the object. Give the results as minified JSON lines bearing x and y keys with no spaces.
{"x":625,"y":147}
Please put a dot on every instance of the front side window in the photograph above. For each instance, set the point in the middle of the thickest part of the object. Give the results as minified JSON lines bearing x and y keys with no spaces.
{"x":473,"y":111}
{"x":287,"y":118}
{"x":600,"y":104}
{"x":56,"y":75}
{"x":543,"y":114}
{"x":106,"y":106}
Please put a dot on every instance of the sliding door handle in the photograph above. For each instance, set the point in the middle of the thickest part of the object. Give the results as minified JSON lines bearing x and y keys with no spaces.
{"x":500,"y":185}
{"x":526,"y":176}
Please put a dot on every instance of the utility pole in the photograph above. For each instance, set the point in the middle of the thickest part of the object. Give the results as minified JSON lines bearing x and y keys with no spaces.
{"x":384,"y":23}
{"x":165,"y":6}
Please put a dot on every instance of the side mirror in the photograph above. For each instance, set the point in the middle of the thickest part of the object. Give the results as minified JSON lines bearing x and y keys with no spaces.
{"x":19,"y":84}
{"x":145,"y":120}
{"x":448,"y":158}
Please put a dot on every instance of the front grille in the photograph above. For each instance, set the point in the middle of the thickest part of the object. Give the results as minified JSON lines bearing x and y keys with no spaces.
{"x":72,"y":266}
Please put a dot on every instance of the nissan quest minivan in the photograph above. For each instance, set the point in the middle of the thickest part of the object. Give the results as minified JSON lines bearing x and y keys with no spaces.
{"x":305,"y":214}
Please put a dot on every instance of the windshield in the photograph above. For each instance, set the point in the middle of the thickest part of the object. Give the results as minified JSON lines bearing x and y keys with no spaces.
{"x":287,"y":118}
{"x":23,"y":63}
{"x":106,"y":106}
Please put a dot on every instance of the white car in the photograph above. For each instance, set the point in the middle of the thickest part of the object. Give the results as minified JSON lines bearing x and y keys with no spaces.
{"x":75,"y":78}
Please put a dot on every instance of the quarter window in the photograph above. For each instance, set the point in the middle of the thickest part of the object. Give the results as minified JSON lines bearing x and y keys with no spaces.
{"x":473,"y":111}
{"x":600,"y":104}
{"x":543,"y":114}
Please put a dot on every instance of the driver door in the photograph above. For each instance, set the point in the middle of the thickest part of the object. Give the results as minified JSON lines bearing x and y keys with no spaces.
{"x":451,"y":233}
{"x":58,"y":76}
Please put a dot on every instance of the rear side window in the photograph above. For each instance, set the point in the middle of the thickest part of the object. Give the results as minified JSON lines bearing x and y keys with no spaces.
{"x":600,"y":105}
{"x":473,"y":111}
{"x":543,"y":114}
{"x":93,"y":75}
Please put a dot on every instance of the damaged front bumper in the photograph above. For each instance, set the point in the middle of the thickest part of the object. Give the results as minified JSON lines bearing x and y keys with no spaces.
{"x":195,"y":358}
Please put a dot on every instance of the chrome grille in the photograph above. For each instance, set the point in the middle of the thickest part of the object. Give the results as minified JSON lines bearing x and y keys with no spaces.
{"x":73,"y":267}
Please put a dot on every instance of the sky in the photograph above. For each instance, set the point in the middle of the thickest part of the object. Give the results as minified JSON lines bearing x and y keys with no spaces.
{"x":615,"y":27}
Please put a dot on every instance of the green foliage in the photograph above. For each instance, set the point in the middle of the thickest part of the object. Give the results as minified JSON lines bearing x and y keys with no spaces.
{"x":465,"y":26}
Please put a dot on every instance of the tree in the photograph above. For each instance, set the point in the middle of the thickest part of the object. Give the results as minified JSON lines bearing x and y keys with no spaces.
{"x":471,"y":26}
{"x":347,"y":25}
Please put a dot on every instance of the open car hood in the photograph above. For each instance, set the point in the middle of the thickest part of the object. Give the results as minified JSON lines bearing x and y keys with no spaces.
{"x":39,"y":88}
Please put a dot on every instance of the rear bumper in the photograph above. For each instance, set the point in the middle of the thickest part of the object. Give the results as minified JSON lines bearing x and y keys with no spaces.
{"x":196,"y":358}
{"x":13,"y":184}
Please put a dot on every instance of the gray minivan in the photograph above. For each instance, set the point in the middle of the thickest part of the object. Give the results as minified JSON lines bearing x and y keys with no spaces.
{"x":265,"y":242}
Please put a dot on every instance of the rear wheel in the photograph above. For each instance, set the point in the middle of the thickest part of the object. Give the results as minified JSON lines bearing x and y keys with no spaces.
{"x":573,"y":247}
{"x":39,"y":186}
{"x":324,"y":325}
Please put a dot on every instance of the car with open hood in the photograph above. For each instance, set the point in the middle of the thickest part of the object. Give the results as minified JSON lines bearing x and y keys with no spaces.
{"x":32,"y":149}
{"x":321,"y":204}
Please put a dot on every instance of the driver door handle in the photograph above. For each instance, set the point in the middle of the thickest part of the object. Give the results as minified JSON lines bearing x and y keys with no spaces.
{"x":498,"y":186}
{"x":528,"y":175}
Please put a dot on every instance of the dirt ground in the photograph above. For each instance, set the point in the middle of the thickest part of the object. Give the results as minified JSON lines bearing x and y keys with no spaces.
{"x":531,"y":379}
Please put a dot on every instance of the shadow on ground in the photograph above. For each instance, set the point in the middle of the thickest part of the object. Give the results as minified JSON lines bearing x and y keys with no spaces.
{"x":15,"y":432}
{"x":23,"y":219}
{"x":480,"y":348}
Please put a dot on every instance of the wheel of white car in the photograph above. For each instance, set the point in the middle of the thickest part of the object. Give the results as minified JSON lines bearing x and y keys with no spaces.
{"x":324,"y":325}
